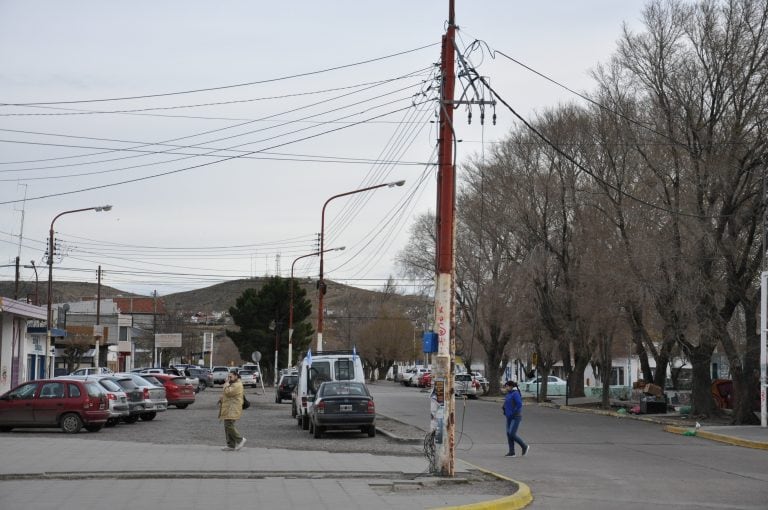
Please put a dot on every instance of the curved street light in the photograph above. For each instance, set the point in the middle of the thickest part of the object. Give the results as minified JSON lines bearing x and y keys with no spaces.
{"x":290,"y":309}
{"x":321,"y":282}
{"x":49,"y":316}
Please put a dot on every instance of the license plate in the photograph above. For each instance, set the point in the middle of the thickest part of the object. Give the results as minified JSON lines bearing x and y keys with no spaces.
{"x":345,"y":407}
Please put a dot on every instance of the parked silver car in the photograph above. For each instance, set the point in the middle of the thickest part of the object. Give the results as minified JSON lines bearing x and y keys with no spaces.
{"x":118,"y":400}
{"x":154,"y":394}
{"x":464,"y":384}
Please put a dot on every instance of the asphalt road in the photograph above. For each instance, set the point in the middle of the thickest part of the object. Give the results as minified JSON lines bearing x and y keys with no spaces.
{"x":585,"y":461}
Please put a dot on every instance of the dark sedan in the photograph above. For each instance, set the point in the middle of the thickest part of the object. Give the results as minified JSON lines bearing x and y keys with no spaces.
{"x":343,"y":405}
{"x":285,"y":386}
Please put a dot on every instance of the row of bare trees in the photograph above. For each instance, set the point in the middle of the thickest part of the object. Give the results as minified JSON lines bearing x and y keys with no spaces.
{"x":638,"y":216}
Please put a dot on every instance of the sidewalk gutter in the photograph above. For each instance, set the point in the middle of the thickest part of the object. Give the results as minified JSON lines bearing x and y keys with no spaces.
{"x":520,"y":499}
{"x":670,"y":425}
{"x":721,"y":438}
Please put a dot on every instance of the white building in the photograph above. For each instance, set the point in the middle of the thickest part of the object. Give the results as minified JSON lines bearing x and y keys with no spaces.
{"x":22,"y":354}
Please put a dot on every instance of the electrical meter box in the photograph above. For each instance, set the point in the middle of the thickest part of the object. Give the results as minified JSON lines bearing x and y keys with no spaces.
{"x":430,"y":341}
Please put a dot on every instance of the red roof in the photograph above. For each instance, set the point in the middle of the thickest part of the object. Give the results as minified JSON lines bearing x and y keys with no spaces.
{"x":140,"y":305}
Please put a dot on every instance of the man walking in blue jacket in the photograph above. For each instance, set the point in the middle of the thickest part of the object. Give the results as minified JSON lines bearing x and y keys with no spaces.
{"x":513,"y":410}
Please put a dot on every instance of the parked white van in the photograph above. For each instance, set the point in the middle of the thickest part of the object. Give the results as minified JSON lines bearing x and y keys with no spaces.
{"x":324,"y":366}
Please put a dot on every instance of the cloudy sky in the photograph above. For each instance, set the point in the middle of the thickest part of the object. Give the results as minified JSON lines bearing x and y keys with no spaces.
{"x":217,"y":130}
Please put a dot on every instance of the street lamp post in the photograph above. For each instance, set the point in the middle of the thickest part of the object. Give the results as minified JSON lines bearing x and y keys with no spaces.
{"x":321,"y":283}
{"x":49,"y":316}
{"x":290,"y":309}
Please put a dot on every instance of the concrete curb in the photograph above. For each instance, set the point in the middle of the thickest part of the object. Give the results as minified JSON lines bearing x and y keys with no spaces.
{"x":712,"y":436}
{"x":516,"y":501}
{"x":520,"y":499}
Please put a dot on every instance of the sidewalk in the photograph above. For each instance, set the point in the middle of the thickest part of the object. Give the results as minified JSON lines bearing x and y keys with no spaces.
{"x":67,"y":473}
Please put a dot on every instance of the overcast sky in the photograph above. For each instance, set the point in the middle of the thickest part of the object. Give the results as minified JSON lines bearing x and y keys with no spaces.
{"x":301,"y":104}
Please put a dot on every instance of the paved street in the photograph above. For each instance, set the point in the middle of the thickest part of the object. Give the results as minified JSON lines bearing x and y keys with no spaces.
{"x":587,"y":461}
{"x":175,"y":462}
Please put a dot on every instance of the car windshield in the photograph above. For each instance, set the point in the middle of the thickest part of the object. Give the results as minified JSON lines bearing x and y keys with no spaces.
{"x":152,"y":380}
{"x":245,"y":373}
{"x":345,"y":370}
{"x":110,"y":385}
{"x":179,"y":381}
{"x":128,"y":384}
{"x":93,"y":389}
{"x":289,"y":379}
{"x":343,"y":388}
{"x":463,"y":377}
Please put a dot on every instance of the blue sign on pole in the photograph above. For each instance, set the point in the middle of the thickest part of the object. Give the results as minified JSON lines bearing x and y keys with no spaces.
{"x":429,"y":342}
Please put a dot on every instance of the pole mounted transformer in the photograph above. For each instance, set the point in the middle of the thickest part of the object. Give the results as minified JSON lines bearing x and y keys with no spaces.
{"x":443,"y":402}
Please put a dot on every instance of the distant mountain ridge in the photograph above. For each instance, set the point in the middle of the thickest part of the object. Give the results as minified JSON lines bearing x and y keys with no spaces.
{"x":218,"y":297}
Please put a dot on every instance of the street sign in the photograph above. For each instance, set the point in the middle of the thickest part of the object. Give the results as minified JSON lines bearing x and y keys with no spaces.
{"x":167,"y":340}
{"x":207,"y":342}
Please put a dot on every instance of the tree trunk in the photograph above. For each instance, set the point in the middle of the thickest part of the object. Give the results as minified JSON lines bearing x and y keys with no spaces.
{"x":494,"y":358}
{"x":746,"y":380}
{"x":639,"y":337}
{"x":701,"y":394}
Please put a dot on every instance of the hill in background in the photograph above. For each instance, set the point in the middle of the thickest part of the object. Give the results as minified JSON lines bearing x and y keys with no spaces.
{"x":216,"y":298}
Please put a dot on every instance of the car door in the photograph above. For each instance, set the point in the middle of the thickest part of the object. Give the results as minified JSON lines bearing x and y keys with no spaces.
{"x":50,"y":403}
{"x":16,"y":406}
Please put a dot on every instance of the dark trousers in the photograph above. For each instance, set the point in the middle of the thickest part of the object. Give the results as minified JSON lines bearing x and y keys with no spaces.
{"x":513,"y":422}
{"x":233,"y":436}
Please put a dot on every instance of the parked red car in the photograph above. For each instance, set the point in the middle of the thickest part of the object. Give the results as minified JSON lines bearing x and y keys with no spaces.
{"x":425,"y":380}
{"x":178,"y":392}
{"x":60,"y":402}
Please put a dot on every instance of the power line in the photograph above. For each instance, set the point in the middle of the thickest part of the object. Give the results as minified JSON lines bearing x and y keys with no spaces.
{"x":201,"y":165}
{"x":223,"y":87}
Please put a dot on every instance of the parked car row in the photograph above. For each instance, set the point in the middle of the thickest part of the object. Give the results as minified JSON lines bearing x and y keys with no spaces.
{"x":92,"y":401}
{"x":250,"y":375}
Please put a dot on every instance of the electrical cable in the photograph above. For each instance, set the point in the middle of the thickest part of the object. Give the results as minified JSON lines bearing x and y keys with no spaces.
{"x":208,"y":89}
{"x":201,"y":165}
{"x":212,"y":151}
{"x":582,"y":167}
{"x":74,"y":111}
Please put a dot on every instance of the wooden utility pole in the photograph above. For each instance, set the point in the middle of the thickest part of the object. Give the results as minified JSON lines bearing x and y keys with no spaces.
{"x":443,"y":405}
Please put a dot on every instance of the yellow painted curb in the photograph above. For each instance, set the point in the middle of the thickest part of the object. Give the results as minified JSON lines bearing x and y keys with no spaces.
{"x":520,"y":499}
{"x":735,"y":441}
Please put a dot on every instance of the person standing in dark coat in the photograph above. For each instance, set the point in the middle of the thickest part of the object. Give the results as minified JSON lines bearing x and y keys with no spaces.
{"x":513,"y":411}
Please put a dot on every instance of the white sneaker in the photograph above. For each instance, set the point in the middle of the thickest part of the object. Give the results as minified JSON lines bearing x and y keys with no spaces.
{"x":227,"y":449}
{"x":527,"y":449}
{"x":240,"y":444}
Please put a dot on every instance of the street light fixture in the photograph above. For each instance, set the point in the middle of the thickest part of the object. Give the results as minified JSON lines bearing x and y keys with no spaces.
{"x":290,"y":310}
{"x":321,"y":282}
{"x":49,"y":316}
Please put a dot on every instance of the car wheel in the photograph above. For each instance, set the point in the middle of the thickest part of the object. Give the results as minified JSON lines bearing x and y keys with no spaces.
{"x":372,"y":431}
{"x":311,"y":427}
{"x":181,"y":406}
{"x":304,"y":422}
{"x":5,"y":429}
{"x":112,"y":422}
{"x":93,"y":428}
{"x":148,"y":416}
{"x":71,"y":423}
{"x":318,"y":432}
{"x":278,"y":400}
{"x":293,"y":410}
{"x":131,"y":419}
